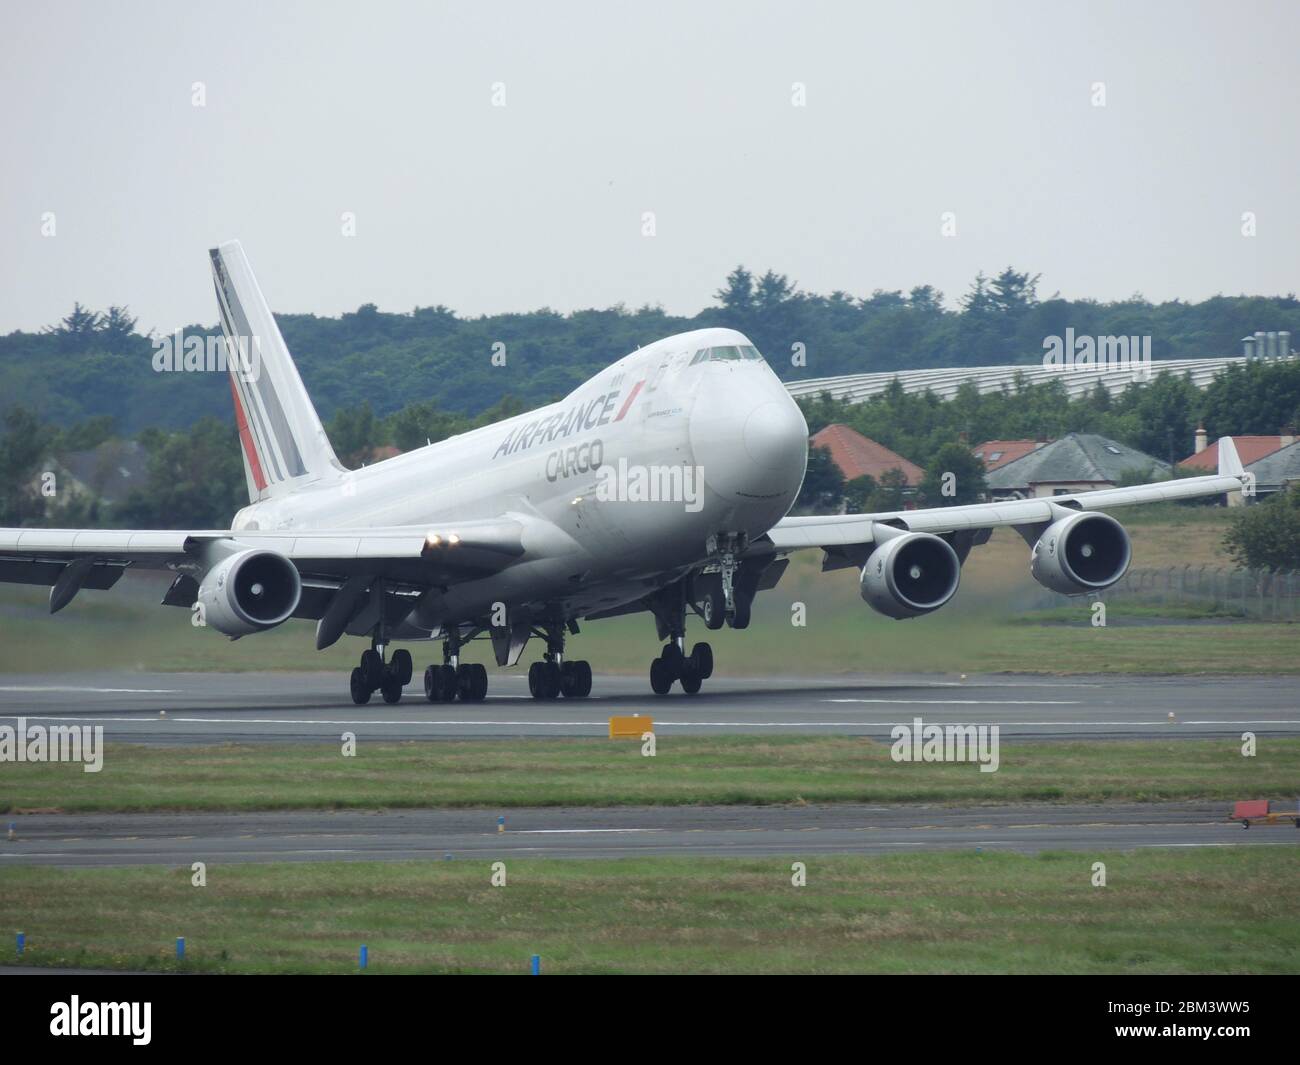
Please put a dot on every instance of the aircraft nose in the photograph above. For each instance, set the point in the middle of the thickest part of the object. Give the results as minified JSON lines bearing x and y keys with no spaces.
{"x":773,"y":432}
{"x":750,"y":440}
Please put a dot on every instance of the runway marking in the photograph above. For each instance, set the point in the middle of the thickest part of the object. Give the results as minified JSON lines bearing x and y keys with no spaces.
{"x":576,"y":831}
{"x":98,"y":691}
{"x":961,"y":702}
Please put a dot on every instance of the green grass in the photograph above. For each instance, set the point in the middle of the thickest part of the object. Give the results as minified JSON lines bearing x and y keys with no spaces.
{"x":600,"y":772}
{"x":1123,"y":609}
{"x":1206,"y":911}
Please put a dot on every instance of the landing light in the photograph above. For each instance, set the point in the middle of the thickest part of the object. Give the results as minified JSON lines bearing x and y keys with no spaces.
{"x":433,"y":540}
{"x":453,"y":539}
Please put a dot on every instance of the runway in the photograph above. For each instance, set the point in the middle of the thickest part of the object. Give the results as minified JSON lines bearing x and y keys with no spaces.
{"x":720,"y":831}
{"x":181,"y":708}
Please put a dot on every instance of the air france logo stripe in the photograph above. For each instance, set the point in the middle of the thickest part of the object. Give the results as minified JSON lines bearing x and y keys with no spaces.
{"x":628,"y":402}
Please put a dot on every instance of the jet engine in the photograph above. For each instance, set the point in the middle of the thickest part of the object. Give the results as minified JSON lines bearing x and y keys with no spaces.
{"x":249,"y":592}
{"x":909,"y":574}
{"x":1080,"y":553}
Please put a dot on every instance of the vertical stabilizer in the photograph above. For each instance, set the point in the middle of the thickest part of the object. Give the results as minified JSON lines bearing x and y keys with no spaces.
{"x":281,"y":437}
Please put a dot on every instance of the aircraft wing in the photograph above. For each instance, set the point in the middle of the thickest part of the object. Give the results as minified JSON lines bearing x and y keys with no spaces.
{"x":441,"y":553}
{"x":848,"y":537}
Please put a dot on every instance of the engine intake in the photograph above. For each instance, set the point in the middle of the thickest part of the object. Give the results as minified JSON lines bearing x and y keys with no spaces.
{"x":1083,"y":552}
{"x":249,"y":592}
{"x":910,"y":574}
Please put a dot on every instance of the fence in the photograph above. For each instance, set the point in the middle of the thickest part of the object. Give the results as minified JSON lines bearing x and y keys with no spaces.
{"x":1249,"y":593}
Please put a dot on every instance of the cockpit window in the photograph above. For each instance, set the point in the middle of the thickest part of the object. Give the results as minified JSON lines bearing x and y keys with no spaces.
{"x":728,"y":353}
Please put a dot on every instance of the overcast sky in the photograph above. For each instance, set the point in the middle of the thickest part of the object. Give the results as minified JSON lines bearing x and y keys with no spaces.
{"x":386,"y":110}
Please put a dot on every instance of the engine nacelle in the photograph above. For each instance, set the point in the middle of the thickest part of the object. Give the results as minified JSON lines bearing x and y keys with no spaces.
{"x":910,"y":574}
{"x":249,"y":592}
{"x":1083,"y":552}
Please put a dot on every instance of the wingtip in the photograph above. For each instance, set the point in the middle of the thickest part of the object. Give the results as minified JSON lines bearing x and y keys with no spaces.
{"x":1229,"y":461}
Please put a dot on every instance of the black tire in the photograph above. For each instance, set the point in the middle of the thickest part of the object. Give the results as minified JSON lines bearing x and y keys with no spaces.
{"x":391,"y":689}
{"x":360,"y":689}
{"x":712,"y":609}
{"x":444,"y":684}
{"x":690,"y":679}
{"x":740,"y":619}
{"x":581,"y":679}
{"x":548,"y":680}
{"x":534,"y":680}
{"x":465,"y":683}
{"x":402,"y":667}
{"x":478,"y":683}
{"x":702,"y":659}
{"x":430,"y":680}
{"x":661,"y":677}
{"x":372,"y":668}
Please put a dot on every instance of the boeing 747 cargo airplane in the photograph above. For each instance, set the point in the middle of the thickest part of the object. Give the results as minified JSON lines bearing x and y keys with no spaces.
{"x":660,"y":485}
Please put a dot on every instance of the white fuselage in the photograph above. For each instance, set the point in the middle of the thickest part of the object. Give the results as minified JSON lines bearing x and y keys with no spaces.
{"x":723,"y":440}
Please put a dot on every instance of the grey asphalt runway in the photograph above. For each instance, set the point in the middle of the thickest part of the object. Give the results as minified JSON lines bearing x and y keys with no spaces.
{"x":253,"y":707}
{"x":730,"y":831}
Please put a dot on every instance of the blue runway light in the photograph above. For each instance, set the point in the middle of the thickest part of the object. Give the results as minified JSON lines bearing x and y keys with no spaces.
{"x":537,"y":965}
{"x":365,"y":955}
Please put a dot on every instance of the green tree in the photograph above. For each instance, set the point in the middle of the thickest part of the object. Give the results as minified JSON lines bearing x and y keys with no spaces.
{"x":823,"y":484}
{"x":1267,"y":535}
{"x":966,"y":483}
{"x":195,"y":479}
{"x":22,"y":446}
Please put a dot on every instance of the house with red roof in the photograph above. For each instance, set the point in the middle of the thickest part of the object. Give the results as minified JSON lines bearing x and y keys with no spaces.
{"x":857,"y":455}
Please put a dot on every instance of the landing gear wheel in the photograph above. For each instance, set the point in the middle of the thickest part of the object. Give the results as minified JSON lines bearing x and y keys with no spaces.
{"x":360,"y":689}
{"x":575,"y":679}
{"x":661,"y":677}
{"x":701,"y":660}
{"x":691,"y":680}
{"x":471,"y":682}
{"x":712,"y":608}
{"x":391,"y":688}
{"x":402,"y":667}
{"x":440,"y":684}
{"x":740,"y":619}
{"x":549,"y":680}
{"x":372,"y":668}
{"x":534,"y":680}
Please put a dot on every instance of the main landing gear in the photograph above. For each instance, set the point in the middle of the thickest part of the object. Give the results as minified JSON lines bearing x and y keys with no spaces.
{"x":673,"y":664}
{"x":467,"y":681}
{"x":554,"y":676}
{"x":376,"y":675}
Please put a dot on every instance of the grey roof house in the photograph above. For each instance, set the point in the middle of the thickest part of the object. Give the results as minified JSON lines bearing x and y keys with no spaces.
{"x":1274,"y":472}
{"x":1077,"y":462}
